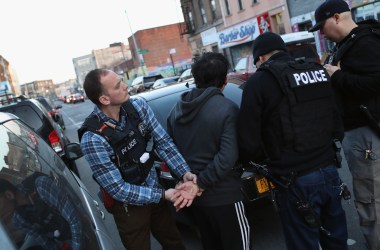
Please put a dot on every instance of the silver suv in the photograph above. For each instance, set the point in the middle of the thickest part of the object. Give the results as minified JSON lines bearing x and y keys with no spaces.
{"x":43,"y":205}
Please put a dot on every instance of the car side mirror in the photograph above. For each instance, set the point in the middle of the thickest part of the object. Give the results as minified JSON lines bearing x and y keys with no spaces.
{"x":73,"y":151}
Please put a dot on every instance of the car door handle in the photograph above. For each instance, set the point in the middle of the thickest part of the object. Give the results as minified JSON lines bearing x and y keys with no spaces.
{"x":102,"y":214}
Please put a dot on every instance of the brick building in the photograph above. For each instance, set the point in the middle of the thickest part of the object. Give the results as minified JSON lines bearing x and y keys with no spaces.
{"x":159,"y":49}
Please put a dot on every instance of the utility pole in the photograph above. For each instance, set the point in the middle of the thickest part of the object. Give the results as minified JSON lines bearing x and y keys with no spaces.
{"x":139,"y":58}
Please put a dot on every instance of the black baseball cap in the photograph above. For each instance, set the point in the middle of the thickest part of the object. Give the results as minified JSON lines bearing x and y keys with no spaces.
{"x":327,"y":10}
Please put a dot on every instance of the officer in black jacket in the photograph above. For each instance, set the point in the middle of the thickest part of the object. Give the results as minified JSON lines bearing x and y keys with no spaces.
{"x":288,"y":118}
{"x":354,"y":68}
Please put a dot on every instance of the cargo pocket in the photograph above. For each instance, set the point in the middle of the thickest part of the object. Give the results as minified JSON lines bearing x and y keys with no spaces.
{"x":367,"y":212}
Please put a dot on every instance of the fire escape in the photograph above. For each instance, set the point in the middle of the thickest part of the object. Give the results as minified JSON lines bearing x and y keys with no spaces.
{"x":186,"y":27}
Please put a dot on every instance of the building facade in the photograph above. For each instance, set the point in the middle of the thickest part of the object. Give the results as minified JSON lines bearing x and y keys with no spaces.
{"x":83,"y":65}
{"x":9,"y":84}
{"x":44,"y":88}
{"x":115,"y":56}
{"x":160,"y":50}
{"x":230,"y":26}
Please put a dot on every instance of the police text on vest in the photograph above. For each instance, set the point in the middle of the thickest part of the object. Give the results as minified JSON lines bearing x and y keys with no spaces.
{"x":309,"y":77}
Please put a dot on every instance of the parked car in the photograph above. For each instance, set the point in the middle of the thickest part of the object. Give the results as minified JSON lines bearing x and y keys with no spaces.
{"x":165,"y":82}
{"x":53,"y":110}
{"x":41,"y":196}
{"x":74,"y":98}
{"x":186,"y":76}
{"x":142,"y":83}
{"x":163,"y":100}
{"x":301,"y":46}
{"x":37,"y":117}
{"x":243,"y":70}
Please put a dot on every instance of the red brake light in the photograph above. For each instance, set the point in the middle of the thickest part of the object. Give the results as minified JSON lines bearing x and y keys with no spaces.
{"x":55,"y":142}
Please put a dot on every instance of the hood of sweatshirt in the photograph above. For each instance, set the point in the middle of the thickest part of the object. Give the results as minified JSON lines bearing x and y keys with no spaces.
{"x":191,"y":103}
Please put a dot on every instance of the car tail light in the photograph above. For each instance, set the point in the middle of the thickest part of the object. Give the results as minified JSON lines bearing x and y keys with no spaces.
{"x":164,"y":167}
{"x":55,"y":142}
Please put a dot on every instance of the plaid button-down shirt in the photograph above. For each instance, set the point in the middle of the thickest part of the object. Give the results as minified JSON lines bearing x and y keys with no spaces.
{"x":98,"y":151}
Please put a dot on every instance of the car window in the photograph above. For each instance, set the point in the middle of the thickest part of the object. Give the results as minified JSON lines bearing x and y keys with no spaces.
{"x":27,"y":114}
{"x":151,"y":78}
{"x":169,"y":80}
{"x":45,"y":103}
{"x":137,"y":81}
{"x":242,"y":64}
{"x":39,"y":199}
{"x":185,"y":75}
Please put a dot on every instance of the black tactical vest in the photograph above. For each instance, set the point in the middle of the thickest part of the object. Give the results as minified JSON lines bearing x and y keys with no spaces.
{"x":129,"y":145}
{"x":307,"y":109}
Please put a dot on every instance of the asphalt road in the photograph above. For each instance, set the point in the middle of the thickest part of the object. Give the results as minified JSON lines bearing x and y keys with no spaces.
{"x":265,"y":223}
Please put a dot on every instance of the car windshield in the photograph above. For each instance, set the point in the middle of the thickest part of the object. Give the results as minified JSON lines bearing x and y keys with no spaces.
{"x":241,"y":65}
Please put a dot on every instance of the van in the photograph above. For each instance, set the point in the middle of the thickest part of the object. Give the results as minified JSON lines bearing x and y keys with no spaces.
{"x":300,"y":45}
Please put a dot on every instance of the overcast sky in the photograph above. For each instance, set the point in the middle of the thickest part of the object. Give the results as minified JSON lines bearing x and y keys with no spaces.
{"x":39,"y":38}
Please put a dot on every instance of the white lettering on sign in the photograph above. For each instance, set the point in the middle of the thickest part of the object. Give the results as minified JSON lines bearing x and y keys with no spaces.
{"x":310,"y":77}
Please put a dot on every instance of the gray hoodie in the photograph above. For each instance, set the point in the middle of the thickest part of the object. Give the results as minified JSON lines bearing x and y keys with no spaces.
{"x":203,"y":126}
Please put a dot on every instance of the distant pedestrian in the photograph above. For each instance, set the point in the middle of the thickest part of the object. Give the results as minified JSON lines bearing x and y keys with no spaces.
{"x":354,"y":68}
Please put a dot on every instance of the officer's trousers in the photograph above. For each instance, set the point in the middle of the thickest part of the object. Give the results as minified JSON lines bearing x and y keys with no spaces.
{"x":321,"y":188}
{"x":362,"y":150}
{"x":135,"y":226}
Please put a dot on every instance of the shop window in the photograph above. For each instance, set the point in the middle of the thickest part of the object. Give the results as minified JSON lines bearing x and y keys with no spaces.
{"x":213,"y":9}
{"x":240,"y":5}
{"x":228,"y":11}
{"x":203,"y":12}
{"x":191,"y":18}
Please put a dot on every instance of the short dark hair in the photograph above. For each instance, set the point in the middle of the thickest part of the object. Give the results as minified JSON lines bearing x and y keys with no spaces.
{"x":92,"y":85}
{"x":210,"y":70}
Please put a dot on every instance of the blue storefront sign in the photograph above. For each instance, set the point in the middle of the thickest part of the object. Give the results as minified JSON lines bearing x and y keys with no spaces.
{"x":240,"y":33}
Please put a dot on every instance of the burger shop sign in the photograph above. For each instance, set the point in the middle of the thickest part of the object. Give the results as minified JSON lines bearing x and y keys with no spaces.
{"x":240,"y":33}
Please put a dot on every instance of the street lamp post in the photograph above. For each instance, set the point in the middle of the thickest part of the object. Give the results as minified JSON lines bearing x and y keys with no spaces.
{"x":171,"y":52}
{"x":140,"y":59}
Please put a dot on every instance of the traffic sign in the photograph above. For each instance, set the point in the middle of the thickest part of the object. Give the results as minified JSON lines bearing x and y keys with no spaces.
{"x":143,"y":51}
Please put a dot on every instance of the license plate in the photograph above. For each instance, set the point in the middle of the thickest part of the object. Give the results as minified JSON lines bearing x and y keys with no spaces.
{"x":262,"y":185}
